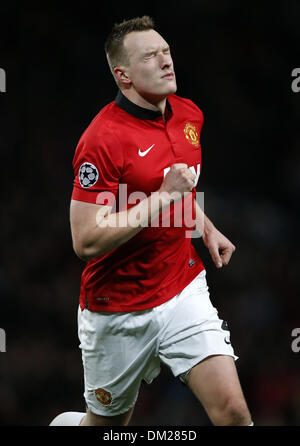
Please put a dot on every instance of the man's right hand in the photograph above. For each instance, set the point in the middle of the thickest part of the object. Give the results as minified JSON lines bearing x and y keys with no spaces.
{"x":179,"y":180}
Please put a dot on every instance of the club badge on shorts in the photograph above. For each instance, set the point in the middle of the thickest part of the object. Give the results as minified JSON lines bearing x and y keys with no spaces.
{"x":103,"y":396}
{"x":191,"y":134}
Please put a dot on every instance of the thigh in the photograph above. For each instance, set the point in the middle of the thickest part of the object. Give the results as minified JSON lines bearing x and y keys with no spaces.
{"x":215,"y":383}
{"x":214,"y":379}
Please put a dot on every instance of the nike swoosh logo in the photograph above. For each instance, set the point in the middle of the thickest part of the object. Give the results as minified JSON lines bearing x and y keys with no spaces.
{"x":145,"y":151}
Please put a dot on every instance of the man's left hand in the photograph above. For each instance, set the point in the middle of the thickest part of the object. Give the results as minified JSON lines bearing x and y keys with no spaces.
{"x":220,"y":248}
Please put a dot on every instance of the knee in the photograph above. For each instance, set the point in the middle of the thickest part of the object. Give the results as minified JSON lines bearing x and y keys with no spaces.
{"x":238,"y":414}
{"x":233,"y":413}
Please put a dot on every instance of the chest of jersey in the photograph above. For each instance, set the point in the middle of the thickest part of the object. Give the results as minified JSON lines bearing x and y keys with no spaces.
{"x":152,"y":147}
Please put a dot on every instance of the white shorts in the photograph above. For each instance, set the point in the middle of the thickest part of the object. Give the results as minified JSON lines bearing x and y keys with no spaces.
{"x":119,"y":350}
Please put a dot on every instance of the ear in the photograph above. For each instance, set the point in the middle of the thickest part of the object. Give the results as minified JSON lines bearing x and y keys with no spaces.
{"x":122,"y":75}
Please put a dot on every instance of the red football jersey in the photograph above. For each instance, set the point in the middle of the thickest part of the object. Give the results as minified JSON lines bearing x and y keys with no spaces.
{"x":122,"y":156}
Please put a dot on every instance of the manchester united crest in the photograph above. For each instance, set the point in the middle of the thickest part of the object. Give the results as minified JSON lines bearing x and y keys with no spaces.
{"x":191,"y":134}
{"x":103,"y":396}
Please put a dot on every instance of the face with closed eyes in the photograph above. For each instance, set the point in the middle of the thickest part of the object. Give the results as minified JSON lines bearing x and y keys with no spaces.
{"x":150,"y":70}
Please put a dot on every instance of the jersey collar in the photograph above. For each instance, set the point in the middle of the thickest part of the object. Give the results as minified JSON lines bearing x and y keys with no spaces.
{"x":137,"y":111}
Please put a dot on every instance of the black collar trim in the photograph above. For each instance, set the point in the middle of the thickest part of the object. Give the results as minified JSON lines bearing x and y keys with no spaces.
{"x":137,"y":111}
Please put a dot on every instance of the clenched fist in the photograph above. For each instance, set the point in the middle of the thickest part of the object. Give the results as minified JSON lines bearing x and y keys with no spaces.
{"x":178,"y":181}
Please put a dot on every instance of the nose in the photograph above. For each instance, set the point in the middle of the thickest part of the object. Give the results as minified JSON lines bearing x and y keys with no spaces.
{"x":166,"y":61}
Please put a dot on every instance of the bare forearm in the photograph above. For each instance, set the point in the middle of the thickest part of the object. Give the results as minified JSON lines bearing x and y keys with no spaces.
{"x":112,"y":230}
{"x":203,"y":225}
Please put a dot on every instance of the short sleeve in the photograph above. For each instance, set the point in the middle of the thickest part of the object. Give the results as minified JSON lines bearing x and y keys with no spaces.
{"x":98,"y":165}
{"x":198,"y":113}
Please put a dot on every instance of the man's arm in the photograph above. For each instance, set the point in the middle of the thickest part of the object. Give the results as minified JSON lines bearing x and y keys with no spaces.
{"x":96,"y":231}
{"x":220,"y":248}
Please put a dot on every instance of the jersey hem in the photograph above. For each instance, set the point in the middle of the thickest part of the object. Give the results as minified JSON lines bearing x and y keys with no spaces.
{"x":94,"y":307}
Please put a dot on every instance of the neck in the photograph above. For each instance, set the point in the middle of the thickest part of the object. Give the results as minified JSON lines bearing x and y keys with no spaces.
{"x":146,"y":101}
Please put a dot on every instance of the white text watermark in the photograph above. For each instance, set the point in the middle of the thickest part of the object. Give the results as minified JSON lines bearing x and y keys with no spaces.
{"x":167,"y":210}
{"x":296,"y":82}
{"x":2,"y":341}
{"x":296,"y":342}
{"x":2,"y":80}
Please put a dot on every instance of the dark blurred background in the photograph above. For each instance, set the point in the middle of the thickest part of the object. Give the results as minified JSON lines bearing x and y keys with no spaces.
{"x":234,"y":60}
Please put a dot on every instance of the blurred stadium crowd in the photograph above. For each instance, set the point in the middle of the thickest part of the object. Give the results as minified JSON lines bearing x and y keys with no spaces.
{"x":235,"y":62}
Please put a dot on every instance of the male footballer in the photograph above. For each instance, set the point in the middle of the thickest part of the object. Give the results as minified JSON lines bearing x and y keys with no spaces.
{"x":144,"y":299}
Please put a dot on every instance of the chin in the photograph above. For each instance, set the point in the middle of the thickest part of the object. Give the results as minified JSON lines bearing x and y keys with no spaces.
{"x":172,"y":88}
{"x":159,"y":94}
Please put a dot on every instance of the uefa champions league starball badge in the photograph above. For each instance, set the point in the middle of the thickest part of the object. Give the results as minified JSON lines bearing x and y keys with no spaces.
{"x":88,"y":175}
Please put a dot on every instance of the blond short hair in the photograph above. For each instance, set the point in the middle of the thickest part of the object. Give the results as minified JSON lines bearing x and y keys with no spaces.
{"x":114,"y":44}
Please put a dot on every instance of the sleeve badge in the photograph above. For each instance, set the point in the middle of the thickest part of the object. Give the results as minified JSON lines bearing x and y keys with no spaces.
{"x":88,"y":175}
